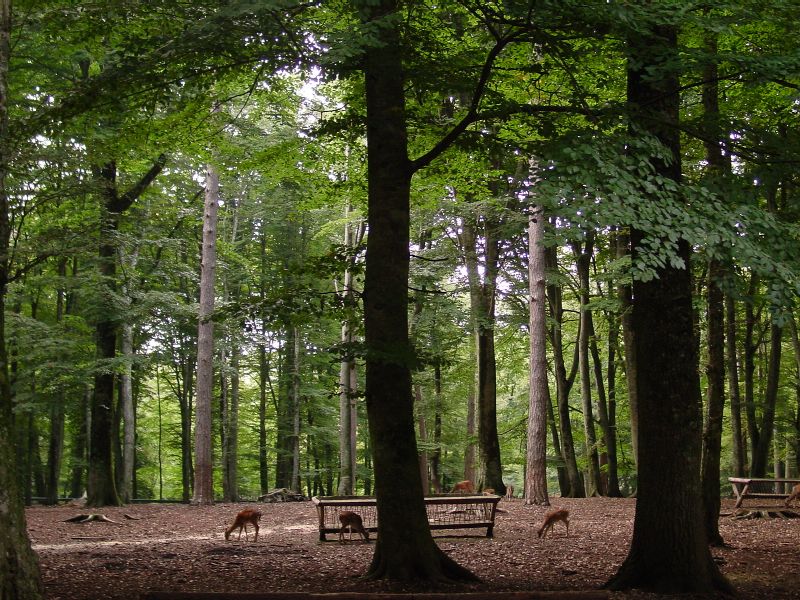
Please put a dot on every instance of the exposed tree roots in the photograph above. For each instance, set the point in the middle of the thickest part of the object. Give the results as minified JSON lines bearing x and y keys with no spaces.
{"x":89,"y":517}
{"x":764,"y":513}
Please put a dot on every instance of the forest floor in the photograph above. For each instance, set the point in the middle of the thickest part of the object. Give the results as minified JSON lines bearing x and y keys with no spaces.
{"x":176,"y":547}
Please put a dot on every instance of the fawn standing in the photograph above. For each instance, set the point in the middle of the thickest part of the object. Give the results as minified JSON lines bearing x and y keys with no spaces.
{"x":553,"y":517}
{"x":795,"y":495}
{"x":463,"y":487}
{"x":248,"y":515}
{"x":352,"y":521}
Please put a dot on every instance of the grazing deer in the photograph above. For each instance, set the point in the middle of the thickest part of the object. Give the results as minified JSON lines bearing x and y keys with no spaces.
{"x":553,"y":517}
{"x":248,"y":515}
{"x":463,"y":487}
{"x":352,"y":521}
{"x":509,"y":491}
{"x":795,"y":495}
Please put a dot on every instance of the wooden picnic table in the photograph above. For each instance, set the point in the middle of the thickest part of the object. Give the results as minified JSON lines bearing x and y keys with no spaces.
{"x":761,"y":487}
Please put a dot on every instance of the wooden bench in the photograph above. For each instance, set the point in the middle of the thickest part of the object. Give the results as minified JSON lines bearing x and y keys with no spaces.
{"x":749,"y":487}
{"x":445,"y":511}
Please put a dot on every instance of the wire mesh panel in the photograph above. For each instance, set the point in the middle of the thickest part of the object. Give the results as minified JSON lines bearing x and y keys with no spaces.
{"x":445,"y":511}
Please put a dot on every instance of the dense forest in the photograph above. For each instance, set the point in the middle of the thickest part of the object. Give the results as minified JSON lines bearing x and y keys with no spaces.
{"x":349,"y":247}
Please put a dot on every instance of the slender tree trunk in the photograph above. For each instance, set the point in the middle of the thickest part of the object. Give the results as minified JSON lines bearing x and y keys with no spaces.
{"x":128,"y":416}
{"x":737,"y":435}
{"x":760,"y":456}
{"x":563,"y":385}
{"x":19,"y":566}
{"x":482,"y":312}
{"x":203,"y":468}
{"x":55,"y":449}
{"x":294,"y":443}
{"x":263,"y":454}
{"x":348,"y":415}
{"x":539,"y":400}
{"x":715,"y":369}
{"x":715,"y":401}
{"x":423,"y":438}
{"x":583,"y":258}
{"x":80,"y":445}
{"x":625,"y":295}
{"x":610,"y":424}
{"x":436,"y":455}
{"x":750,"y":348}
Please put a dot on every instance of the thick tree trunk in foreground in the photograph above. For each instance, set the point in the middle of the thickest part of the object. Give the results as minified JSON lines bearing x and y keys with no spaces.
{"x":19,"y":566}
{"x":405,"y":548}
{"x":669,"y":551}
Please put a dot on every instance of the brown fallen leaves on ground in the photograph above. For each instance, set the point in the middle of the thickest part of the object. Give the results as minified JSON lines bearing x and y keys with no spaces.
{"x":182,"y":548}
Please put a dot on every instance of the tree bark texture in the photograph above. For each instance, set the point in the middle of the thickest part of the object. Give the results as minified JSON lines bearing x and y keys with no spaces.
{"x":203,"y":468}
{"x":404,"y":549}
{"x":669,"y":551}
{"x":482,"y":290}
{"x":583,"y":257}
{"x":761,"y":451}
{"x":539,"y":394}
{"x":19,"y":565}
{"x":715,"y":402}
{"x":563,"y":384}
{"x":737,"y":439}
{"x":715,"y":366}
{"x":348,"y":415}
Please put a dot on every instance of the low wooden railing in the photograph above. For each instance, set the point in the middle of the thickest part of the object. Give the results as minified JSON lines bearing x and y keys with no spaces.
{"x":446,"y":511}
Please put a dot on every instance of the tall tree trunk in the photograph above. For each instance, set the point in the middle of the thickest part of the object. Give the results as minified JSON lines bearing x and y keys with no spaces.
{"x":760,"y":456}
{"x":203,"y":468}
{"x":19,"y":566}
{"x":715,"y":369}
{"x":750,"y":348}
{"x":294,"y":443}
{"x":405,"y":549}
{"x":794,"y":437}
{"x":80,"y":445}
{"x":625,"y":296}
{"x":128,"y":416}
{"x":55,"y":448}
{"x":348,"y":414}
{"x":436,"y":455}
{"x":582,"y":260}
{"x":539,"y":394}
{"x":470,"y":468}
{"x":610,"y":423}
{"x":563,"y":384}
{"x":715,"y":401}
{"x":737,"y":434}
{"x":263,"y":375}
{"x":101,"y":486}
{"x":422,"y":426}
{"x":263,"y":455}
{"x":482,"y":291}
{"x":669,"y":551}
